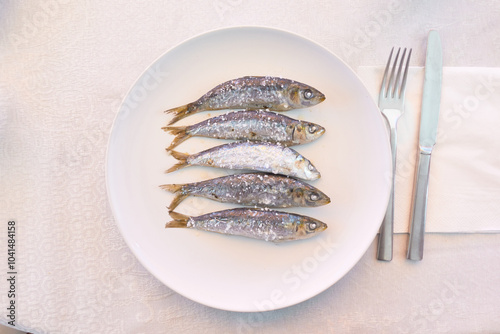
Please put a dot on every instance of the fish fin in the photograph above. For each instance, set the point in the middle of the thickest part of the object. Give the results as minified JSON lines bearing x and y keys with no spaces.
{"x":176,"y":189}
{"x":181,"y":112}
{"x":179,"y":220}
{"x":180,"y":134}
{"x":182,"y":157}
{"x":173,"y":188}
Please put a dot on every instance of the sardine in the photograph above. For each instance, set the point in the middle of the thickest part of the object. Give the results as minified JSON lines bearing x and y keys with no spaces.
{"x":253,"y":189}
{"x":259,"y":156}
{"x":253,"y":92}
{"x":250,"y":125}
{"x":260,"y":224}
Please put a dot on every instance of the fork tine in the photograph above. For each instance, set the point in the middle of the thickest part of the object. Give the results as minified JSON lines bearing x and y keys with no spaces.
{"x":396,"y":92}
{"x":383,"y":88}
{"x":403,"y":84}
{"x":392,"y":81}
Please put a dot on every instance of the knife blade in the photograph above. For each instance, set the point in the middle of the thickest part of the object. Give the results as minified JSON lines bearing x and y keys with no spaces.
{"x":429,"y":116}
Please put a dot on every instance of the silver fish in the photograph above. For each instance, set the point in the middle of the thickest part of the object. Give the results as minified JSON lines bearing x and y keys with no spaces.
{"x":250,"y":125}
{"x":253,"y":189}
{"x":259,"y":156}
{"x":253,"y":92}
{"x":260,"y":224}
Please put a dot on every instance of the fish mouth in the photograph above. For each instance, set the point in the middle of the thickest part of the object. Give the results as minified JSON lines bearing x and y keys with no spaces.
{"x":321,"y":228}
{"x":315,"y":176}
{"x":326,"y":201}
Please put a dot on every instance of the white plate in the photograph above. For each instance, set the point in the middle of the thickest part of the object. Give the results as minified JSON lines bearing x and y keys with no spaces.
{"x":234,"y":273}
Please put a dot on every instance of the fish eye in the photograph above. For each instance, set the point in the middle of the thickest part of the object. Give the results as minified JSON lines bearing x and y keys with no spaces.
{"x":312,"y":128}
{"x":312,"y":226}
{"x":313,"y":197}
{"x":308,"y":94}
{"x":310,"y":167}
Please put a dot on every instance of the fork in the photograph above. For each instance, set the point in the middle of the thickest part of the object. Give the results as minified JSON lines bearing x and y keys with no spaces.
{"x":391,"y":103}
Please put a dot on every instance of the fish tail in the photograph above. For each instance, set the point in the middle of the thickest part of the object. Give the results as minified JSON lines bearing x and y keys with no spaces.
{"x":179,"y":220}
{"x":181,"y":112}
{"x":182,"y":157}
{"x":176,"y":189}
{"x":180,"y":133}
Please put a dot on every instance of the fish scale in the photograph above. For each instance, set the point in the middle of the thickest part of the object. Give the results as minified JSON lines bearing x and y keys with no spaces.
{"x":251,"y":189}
{"x":258,"y":156}
{"x":252,"y":92}
{"x":267,"y":225}
{"x":250,"y":125}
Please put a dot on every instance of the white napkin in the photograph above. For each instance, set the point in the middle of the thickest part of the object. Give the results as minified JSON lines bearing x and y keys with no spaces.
{"x":464,"y":185}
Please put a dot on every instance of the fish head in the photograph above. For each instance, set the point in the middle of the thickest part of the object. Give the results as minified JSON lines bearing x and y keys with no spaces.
{"x":308,"y":227}
{"x":302,"y":96}
{"x":305,"y":169}
{"x":309,"y":197}
{"x":306,"y":132}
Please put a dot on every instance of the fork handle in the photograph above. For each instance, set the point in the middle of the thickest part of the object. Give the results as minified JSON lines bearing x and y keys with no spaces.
{"x":418,"y":214}
{"x":384,"y":250}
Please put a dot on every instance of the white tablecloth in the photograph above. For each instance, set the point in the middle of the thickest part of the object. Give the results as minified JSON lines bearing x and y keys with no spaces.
{"x":64,"y":69}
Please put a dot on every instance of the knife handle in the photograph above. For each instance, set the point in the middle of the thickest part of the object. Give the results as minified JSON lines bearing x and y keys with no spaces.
{"x":419,"y":208}
{"x":385,"y":238}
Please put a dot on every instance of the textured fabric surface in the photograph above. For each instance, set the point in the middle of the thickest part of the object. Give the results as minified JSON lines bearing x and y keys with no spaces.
{"x":64,"y":69}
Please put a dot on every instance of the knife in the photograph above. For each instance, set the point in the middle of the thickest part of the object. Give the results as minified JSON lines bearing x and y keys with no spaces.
{"x":429,"y":115}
